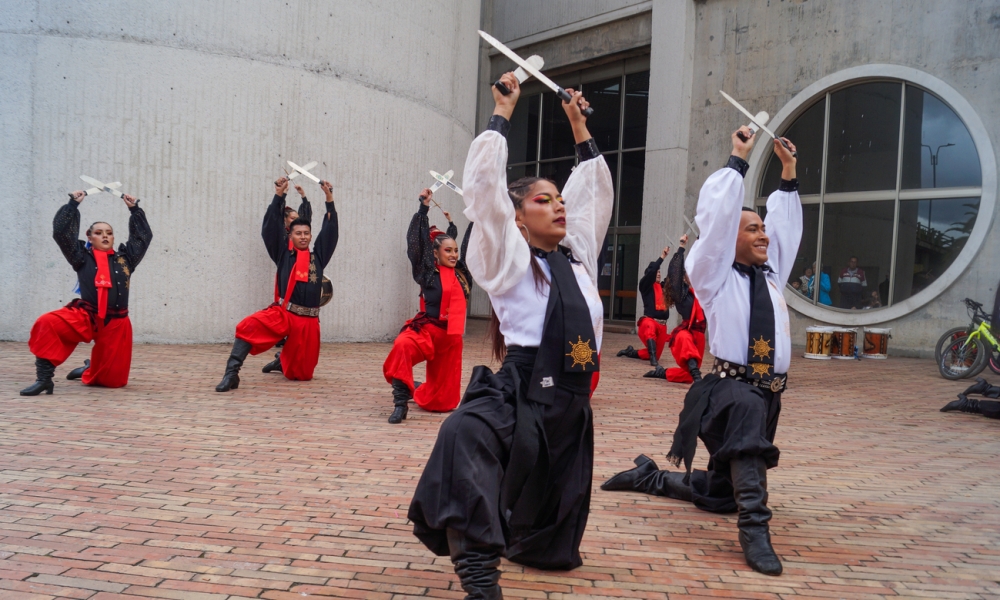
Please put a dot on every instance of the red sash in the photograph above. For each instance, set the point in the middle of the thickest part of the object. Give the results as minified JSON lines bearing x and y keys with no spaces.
{"x":661,"y":303}
{"x":300,"y":272}
{"x":452,"y":301}
{"x":102,"y":281}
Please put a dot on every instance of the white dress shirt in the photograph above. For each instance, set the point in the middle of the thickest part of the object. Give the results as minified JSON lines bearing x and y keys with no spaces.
{"x":498,"y":256}
{"x":724,"y":292}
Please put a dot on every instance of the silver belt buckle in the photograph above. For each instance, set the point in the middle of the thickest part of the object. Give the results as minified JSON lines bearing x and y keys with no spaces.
{"x":777,"y":383}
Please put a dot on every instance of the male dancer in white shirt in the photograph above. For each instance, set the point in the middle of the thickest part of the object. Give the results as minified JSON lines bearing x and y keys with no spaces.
{"x":735,"y":409}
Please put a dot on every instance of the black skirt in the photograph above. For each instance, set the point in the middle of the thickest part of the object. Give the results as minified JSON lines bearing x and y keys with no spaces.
{"x":461,"y":485}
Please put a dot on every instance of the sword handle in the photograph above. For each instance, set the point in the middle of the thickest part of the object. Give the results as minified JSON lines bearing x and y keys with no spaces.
{"x":785,"y":144}
{"x":743,"y":138}
{"x":501,"y":87}
{"x":565,"y":97}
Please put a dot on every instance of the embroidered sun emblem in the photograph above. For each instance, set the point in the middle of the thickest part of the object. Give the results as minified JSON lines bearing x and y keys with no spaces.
{"x":581,"y":353}
{"x":762,"y":348}
{"x":760,"y":369}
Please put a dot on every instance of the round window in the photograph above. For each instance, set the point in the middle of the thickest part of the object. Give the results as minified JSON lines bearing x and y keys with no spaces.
{"x":891,"y":183}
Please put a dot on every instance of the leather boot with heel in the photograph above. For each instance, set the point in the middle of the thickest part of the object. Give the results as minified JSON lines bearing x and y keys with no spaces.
{"x":78,"y":372}
{"x":231,"y":379}
{"x":630,"y":352}
{"x":651,"y":348}
{"x":749,"y":474}
{"x":44,"y":370}
{"x":647,"y":478}
{"x":400,"y":399}
{"x":274,"y":365}
{"x":476,"y":566}
{"x":692,"y":366}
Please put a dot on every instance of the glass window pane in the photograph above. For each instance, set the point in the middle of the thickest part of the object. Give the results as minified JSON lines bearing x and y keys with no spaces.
{"x":522,"y":141}
{"x":937,"y":148}
{"x":604,"y":124}
{"x":630,"y":197}
{"x":612,"y":160}
{"x":604,"y":273}
{"x":519,"y":171}
{"x":626,"y":277}
{"x":807,"y":135}
{"x":864,"y":138}
{"x":636,"y":108}
{"x":557,"y":135}
{"x":557,"y":171}
{"x":857,"y":252}
{"x":802,"y":278}
{"x":931,"y":234}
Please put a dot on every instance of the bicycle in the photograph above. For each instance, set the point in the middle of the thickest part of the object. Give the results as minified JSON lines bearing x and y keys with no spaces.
{"x":965,"y":351}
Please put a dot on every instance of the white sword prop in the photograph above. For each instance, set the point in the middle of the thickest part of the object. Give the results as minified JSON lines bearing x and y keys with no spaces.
{"x":520,"y":74}
{"x":305,"y":167}
{"x":691,"y":227}
{"x":446,"y":181}
{"x":304,"y":170}
{"x":437,"y":184}
{"x":531,"y":70}
{"x":754,"y":120}
{"x":111,"y":188}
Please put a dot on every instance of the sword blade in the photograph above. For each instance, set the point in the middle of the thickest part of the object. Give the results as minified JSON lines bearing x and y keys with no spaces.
{"x":691,"y":226}
{"x":92,"y":181}
{"x":753,"y":119}
{"x":528,"y":68}
{"x":303,"y":171}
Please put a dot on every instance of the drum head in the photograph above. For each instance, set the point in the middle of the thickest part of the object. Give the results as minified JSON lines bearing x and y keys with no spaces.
{"x":327,"y":294}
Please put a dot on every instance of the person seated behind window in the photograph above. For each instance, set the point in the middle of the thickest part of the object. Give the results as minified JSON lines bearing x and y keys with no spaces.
{"x":873,"y":301}
{"x":807,"y":274}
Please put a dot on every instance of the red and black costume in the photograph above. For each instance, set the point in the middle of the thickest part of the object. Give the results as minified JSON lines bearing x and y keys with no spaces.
{"x":295,"y":311}
{"x":652,"y":326}
{"x":435,"y":333}
{"x":687,"y":340}
{"x":99,"y":315}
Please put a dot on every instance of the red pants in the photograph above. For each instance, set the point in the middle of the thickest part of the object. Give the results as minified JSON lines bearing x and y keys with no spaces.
{"x":443,"y":353}
{"x":651,"y":329}
{"x":267,"y":327}
{"x":685,"y":345}
{"x":55,"y":335}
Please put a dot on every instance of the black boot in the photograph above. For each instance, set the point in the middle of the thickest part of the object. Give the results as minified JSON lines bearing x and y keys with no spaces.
{"x":274,"y":365}
{"x":749,"y":475}
{"x":693,"y":369}
{"x":632,"y":480}
{"x":963,"y":404}
{"x":658,"y":373}
{"x":400,"y":398}
{"x":476,"y":566}
{"x":231,"y":380}
{"x":78,"y":372}
{"x":647,"y":478}
{"x":980,"y":387}
{"x":651,"y":348}
{"x":629,"y":352}
{"x":44,"y":370}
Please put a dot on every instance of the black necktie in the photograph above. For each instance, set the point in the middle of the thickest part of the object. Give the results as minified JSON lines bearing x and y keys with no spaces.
{"x":760,"y":349}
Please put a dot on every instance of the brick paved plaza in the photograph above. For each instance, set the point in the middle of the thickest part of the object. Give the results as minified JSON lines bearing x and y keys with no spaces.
{"x":283,"y":490}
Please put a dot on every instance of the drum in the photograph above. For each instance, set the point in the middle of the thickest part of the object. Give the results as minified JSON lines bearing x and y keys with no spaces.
{"x":327,"y":294}
{"x":876,"y":343}
{"x":818,"y":342}
{"x":843,"y":343}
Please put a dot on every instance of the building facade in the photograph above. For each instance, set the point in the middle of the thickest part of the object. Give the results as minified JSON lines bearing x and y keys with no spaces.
{"x":890,"y":103}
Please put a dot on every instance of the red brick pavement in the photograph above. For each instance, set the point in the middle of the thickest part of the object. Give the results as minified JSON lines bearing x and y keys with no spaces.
{"x":281,"y":490}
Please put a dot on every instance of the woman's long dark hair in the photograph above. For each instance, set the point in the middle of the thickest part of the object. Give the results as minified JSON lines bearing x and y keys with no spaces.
{"x":517,"y":191}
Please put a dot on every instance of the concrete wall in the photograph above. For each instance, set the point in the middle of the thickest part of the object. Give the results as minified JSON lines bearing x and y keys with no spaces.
{"x":195,"y":106}
{"x":766,"y":52}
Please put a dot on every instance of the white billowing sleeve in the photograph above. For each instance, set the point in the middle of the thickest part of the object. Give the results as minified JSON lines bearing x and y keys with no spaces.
{"x":783,"y":225}
{"x":590,"y":199}
{"x":498,"y":257}
{"x":710,"y":260}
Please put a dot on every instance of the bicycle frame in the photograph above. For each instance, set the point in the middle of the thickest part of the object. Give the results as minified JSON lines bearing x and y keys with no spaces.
{"x":983,"y":331}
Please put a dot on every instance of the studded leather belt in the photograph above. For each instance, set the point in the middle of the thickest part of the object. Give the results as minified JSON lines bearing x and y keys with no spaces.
{"x":303,"y":311}
{"x":731,"y":370}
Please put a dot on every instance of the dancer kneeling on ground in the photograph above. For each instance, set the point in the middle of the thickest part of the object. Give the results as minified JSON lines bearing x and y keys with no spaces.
{"x":297,"y":290}
{"x":510,"y":473}
{"x":435,"y":333}
{"x":100,"y":314}
{"x":652,"y":326}
{"x":987,"y":408}
{"x":687,"y":340}
{"x":735,"y":409}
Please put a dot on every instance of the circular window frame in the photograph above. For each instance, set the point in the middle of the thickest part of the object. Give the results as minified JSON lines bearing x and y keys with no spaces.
{"x":987,"y":202}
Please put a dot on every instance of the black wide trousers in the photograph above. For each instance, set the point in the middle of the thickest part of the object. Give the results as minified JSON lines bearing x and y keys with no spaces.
{"x":461,"y":485}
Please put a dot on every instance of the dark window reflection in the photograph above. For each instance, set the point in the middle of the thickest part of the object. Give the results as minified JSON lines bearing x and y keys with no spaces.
{"x":557,"y":135}
{"x":938,"y":150}
{"x":630,"y":196}
{"x":802,"y":278}
{"x":626,"y":277}
{"x":605,"y":98}
{"x":864,"y":138}
{"x":931,"y":234}
{"x":519,"y":171}
{"x":860,"y":231}
{"x":636,"y":109}
{"x":557,"y":171}
{"x":522,"y":141}
{"x":807,"y":135}
{"x":612,"y":160}
{"x":604,"y":273}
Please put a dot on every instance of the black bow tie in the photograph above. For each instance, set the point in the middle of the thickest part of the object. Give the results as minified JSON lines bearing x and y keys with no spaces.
{"x":760,"y":349}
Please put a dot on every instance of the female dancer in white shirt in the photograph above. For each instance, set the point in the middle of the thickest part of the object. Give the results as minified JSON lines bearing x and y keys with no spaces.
{"x":510,"y":473}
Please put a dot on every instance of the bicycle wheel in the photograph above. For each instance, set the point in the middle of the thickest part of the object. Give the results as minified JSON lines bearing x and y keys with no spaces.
{"x":994,"y":362}
{"x":949,"y":336}
{"x":960,"y":360}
